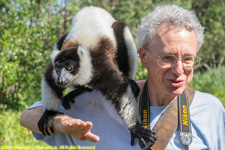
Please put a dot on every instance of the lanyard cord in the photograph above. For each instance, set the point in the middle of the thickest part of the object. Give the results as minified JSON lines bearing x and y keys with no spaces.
{"x":144,"y":107}
{"x":183,"y":117}
{"x":184,"y":120}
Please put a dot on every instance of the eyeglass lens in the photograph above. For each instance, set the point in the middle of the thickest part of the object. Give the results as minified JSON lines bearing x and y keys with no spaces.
{"x":169,"y":60}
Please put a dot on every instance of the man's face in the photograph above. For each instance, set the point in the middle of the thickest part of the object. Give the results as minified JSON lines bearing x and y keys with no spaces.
{"x":169,"y":40}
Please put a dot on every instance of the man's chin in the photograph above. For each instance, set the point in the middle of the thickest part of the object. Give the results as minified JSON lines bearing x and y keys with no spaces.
{"x":176,"y":91}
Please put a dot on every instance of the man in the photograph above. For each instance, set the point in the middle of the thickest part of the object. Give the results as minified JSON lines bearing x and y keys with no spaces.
{"x":169,"y":38}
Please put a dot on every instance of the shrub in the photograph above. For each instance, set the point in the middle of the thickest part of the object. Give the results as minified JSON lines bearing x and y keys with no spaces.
{"x":211,"y":81}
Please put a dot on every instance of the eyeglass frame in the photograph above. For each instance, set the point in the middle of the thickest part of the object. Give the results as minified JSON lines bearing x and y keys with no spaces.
{"x":182,"y":58}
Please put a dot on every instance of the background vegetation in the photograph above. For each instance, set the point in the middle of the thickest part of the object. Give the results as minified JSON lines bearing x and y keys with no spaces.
{"x":30,"y":28}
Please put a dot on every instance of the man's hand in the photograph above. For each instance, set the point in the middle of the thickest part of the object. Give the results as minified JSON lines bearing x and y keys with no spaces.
{"x":77,"y":128}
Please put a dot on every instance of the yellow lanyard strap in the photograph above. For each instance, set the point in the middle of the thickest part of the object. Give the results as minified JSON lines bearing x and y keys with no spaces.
{"x":168,"y":123}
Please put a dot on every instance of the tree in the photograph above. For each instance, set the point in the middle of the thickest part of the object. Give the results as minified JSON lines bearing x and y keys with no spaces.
{"x":29,"y":30}
{"x":212,"y":16}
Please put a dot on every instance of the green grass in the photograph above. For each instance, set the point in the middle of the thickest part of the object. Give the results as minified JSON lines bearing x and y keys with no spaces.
{"x":13,"y":134}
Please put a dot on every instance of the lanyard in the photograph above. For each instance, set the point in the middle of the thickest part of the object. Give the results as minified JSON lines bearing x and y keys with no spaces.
{"x":144,"y":107}
{"x":183,"y":117}
{"x":184,"y":120}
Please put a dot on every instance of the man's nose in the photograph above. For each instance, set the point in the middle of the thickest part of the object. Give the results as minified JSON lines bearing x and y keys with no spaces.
{"x":178,"y":67}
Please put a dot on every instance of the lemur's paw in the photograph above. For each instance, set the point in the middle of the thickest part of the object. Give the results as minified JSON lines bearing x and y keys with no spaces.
{"x":69,"y":98}
{"x":45,"y":123}
{"x":145,"y":136}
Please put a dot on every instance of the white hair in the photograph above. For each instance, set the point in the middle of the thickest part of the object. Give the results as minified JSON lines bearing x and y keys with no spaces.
{"x":172,"y":14}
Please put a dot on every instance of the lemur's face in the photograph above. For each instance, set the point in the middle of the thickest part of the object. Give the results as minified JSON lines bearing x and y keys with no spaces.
{"x":66,"y":66}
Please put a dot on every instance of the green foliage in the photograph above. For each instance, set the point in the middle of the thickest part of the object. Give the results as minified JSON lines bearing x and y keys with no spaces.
{"x":25,"y":44}
{"x":31,"y":28}
{"x":211,"y":14}
{"x":12,"y":134}
{"x":211,"y":81}
{"x":141,"y":73}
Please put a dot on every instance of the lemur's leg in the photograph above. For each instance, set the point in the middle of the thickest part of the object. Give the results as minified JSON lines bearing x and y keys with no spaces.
{"x":126,"y":50}
{"x":69,"y":98}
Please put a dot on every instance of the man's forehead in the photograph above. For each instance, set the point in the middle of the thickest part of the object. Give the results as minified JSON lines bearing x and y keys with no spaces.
{"x":171,"y":37}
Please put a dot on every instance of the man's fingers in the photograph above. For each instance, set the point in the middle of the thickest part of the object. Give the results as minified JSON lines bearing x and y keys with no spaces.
{"x":88,"y":126}
{"x":92,"y":137}
{"x":85,"y":130}
{"x":79,"y":129}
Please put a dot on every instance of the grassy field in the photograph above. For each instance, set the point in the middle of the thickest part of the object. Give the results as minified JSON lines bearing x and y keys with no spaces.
{"x":12,"y":134}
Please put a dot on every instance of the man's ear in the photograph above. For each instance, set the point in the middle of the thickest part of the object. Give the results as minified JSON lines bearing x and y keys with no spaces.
{"x":143,"y":56}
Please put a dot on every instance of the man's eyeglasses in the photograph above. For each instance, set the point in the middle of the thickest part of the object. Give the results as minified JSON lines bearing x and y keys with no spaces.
{"x":169,"y":60}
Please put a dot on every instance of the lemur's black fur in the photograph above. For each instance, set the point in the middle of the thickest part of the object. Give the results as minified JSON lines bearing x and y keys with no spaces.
{"x":118,"y":28}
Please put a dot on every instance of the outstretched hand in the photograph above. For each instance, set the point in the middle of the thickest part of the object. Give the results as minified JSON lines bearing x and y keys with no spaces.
{"x":80,"y":130}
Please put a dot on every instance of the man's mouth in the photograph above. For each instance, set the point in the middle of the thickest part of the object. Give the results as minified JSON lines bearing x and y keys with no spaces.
{"x":175,"y":83}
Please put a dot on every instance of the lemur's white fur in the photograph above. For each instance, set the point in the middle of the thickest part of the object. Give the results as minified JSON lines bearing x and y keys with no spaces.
{"x":88,"y":28}
{"x":129,"y":107}
{"x":49,"y":98}
{"x":54,"y":53}
{"x":85,"y":72}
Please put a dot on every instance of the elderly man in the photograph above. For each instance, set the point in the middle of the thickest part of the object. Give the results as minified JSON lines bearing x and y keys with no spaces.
{"x":169,"y":38}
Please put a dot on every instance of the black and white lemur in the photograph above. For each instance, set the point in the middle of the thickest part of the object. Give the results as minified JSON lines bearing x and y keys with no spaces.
{"x":88,"y":55}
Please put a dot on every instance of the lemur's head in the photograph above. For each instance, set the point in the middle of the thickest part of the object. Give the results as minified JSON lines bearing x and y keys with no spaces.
{"x":66,"y":65}
{"x":72,"y":67}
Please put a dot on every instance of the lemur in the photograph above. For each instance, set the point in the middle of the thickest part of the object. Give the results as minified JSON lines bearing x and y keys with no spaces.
{"x":88,"y":55}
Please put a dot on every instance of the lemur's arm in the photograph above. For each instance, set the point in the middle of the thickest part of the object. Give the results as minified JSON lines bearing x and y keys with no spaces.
{"x":51,"y":92}
{"x":77,"y":128}
{"x":51,"y":98}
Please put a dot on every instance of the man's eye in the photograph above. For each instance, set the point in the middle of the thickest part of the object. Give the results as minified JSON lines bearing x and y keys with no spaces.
{"x":189,"y":59}
{"x":69,"y":68}
{"x":167,"y":58}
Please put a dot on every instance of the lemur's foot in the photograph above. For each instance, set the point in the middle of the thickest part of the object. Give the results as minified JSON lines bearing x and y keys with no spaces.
{"x":45,"y":122}
{"x":69,"y":98}
{"x":145,"y":136}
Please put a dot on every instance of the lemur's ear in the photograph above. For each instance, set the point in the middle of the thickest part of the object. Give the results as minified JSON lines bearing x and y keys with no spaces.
{"x":59,"y":43}
{"x":81,"y":50}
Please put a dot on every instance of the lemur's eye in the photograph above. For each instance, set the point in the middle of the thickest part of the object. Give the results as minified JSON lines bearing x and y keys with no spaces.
{"x":57,"y":69}
{"x":69,"y":68}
